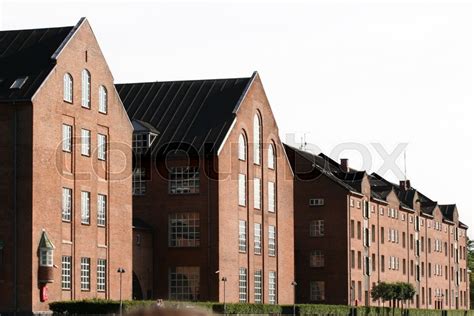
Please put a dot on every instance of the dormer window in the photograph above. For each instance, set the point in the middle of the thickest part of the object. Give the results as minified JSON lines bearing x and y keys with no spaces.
{"x":143,"y":136}
{"x":18,"y":83}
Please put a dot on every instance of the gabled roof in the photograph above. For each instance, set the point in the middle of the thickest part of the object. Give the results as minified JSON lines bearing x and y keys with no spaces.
{"x":193,"y":114}
{"x":29,"y":54}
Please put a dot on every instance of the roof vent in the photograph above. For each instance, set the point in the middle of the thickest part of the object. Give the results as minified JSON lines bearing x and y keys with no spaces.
{"x":405,"y":185}
{"x":18,"y":83}
{"x":345,"y":164}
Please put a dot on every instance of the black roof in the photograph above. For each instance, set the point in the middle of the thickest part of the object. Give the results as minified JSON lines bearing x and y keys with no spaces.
{"x":187,"y":114}
{"x":28,"y":54}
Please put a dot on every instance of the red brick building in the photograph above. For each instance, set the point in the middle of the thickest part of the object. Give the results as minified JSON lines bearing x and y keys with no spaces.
{"x":66,"y":211}
{"x":213,"y":182}
{"x":353,"y":230}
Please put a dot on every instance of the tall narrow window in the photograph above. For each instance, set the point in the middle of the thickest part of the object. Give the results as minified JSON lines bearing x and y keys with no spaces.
{"x":257,"y":139}
{"x":138,"y":181}
{"x":66,"y":272}
{"x":242,"y":189}
{"x":271,"y":157}
{"x":272,"y":287}
{"x":184,"y":229}
{"x":102,"y":99}
{"x":242,"y":148}
{"x":85,"y":207}
{"x":67,"y":88}
{"x":85,"y":274}
{"x":67,"y":138}
{"x":258,"y":286}
{"x":257,"y":238}
{"x":101,"y":209}
{"x":101,"y":146}
{"x":85,"y":142}
{"x":271,"y":197}
{"x":257,"y":195}
{"x":271,"y":240}
{"x":67,"y":204}
{"x":46,"y":249}
{"x":86,"y":89}
{"x":242,"y":285}
{"x":101,"y":274}
{"x":242,"y":236}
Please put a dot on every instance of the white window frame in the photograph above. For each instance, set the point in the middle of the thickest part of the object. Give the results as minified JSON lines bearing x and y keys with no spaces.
{"x":46,"y":257}
{"x":101,"y":275}
{"x":67,"y":88}
{"x":86,"y":89}
{"x":242,"y":285}
{"x":242,"y":236}
{"x":271,"y":197}
{"x":184,"y":229}
{"x":258,"y":279}
{"x":316,"y":202}
{"x":85,"y":142}
{"x":272,"y":287}
{"x":101,"y":146}
{"x":66,"y":272}
{"x":85,"y":274}
{"x":242,"y":148}
{"x":184,"y":180}
{"x":257,"y":139}
{"x":272,"y":241}
{"x":101,"y":209}
{"x":85,"y":207}
{"x":242,"y":189}
{"x":257,"y":193}
{"x":271,"y":157}
{"x":257,"y":238}
{"x":67,"y":138}
{"x":66,"y":211}
{"x":103,"y":100}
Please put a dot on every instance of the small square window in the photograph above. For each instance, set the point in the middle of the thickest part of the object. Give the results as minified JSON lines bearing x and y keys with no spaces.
{"x":18,"y":83}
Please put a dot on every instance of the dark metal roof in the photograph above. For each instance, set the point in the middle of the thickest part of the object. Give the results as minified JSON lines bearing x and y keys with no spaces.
{"x":193,"y":114}
{"x":27,"y":53}
{"x":448,"y":210}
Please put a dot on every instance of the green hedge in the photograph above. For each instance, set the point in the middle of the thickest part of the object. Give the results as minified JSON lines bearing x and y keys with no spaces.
{"x":96,"y":306}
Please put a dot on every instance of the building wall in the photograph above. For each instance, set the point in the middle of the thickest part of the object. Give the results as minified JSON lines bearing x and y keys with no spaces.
{"x":230,"y":258}
{"x":54,"y":169}
{"x":142,"y":263}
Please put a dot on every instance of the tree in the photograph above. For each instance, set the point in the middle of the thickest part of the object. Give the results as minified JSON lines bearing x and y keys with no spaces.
{"x":470,"y":264}
{"x":396,"y":293}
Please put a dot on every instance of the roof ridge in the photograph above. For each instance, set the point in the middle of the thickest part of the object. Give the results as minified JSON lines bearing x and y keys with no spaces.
{"x":176,"y":81}
{"x":38,"y":29}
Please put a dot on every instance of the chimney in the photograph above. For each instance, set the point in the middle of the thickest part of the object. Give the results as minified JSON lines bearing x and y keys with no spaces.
{"x":405,"y":185}
{"x":345,"y":164}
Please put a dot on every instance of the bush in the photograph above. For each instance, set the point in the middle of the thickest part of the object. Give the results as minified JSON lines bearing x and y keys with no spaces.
{"x":96,"y":306}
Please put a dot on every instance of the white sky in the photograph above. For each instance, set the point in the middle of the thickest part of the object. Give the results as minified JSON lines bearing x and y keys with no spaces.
{"x":340,"y":71}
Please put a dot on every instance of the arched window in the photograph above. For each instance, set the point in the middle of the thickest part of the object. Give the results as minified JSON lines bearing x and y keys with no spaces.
{"x":86,"y":89}
{"x":67,"y":86}
{"x":257,"y":138}
{"x":102,"y":99}
{"x":271,"y":157}
{"x":242,"y":147}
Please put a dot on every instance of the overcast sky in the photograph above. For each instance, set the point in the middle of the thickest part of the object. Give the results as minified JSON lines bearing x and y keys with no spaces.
{"x":340,"y":72}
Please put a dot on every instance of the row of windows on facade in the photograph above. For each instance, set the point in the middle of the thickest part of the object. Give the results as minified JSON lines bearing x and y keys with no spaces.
{"x":85,"y":142}
{"x":396,"y":214}
{"x":394,"y":264}
{"x":66,"y":273}
{"x":439,"y":295}
{"x":67,"y":203}
{"x":257,"y":240}
{"x":417,"y":245}
{"x":243,"y":289}
{"x":86,"y":91}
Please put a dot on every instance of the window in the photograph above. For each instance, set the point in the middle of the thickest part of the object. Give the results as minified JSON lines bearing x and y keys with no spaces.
{"x":67,"y":87}
{"x":46,"y":257}
{"x":101,"y":209}
{"x":85,"y":207}
{"x":316,"y":259}
{"x":317,"y":291}
{"x":257,"y":238}
{"x":271,"y":197}
{"x":66,"y":205}
{"x":102,"y":99}
{"x":272,"y":288}
{"x":258,"y":286}
{"x":257,"y":198}
{"x":85,"y":142}
{"x":138,"y":181}
{"x":242,"y":148}
{"x":184,"y":283}
{"x":242,"y":189}
{"x":141,"y":142}
{"x":184,"y":180}
{"x":18,"y":83}
{"x":184,"y":229}
{"x":101,"y":274}
{"x":85,"y":274}
{"x":242,"y":236}
{"x":257,"y":133}
{"x":316,"y":228}
{"x":352,"y":228}
{"x":316,"y":202}
{"x":353,"y":259}
{"x":66,"y":272}
{"x":271,"y":241}
{"x":271,"y":157}
{"x":359,"y":230}
{"x":86,"y":89}
{"x":67,"y":138}
{"x":382,"y":235}
{"x":242,"y":285}
{"x":101,"y":146}
{"x":382,"y":263}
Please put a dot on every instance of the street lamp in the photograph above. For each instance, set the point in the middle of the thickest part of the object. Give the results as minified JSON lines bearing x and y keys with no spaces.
{"x":121,"y":271}
{"x":224,"y":280}
{"x":294,"y":296}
